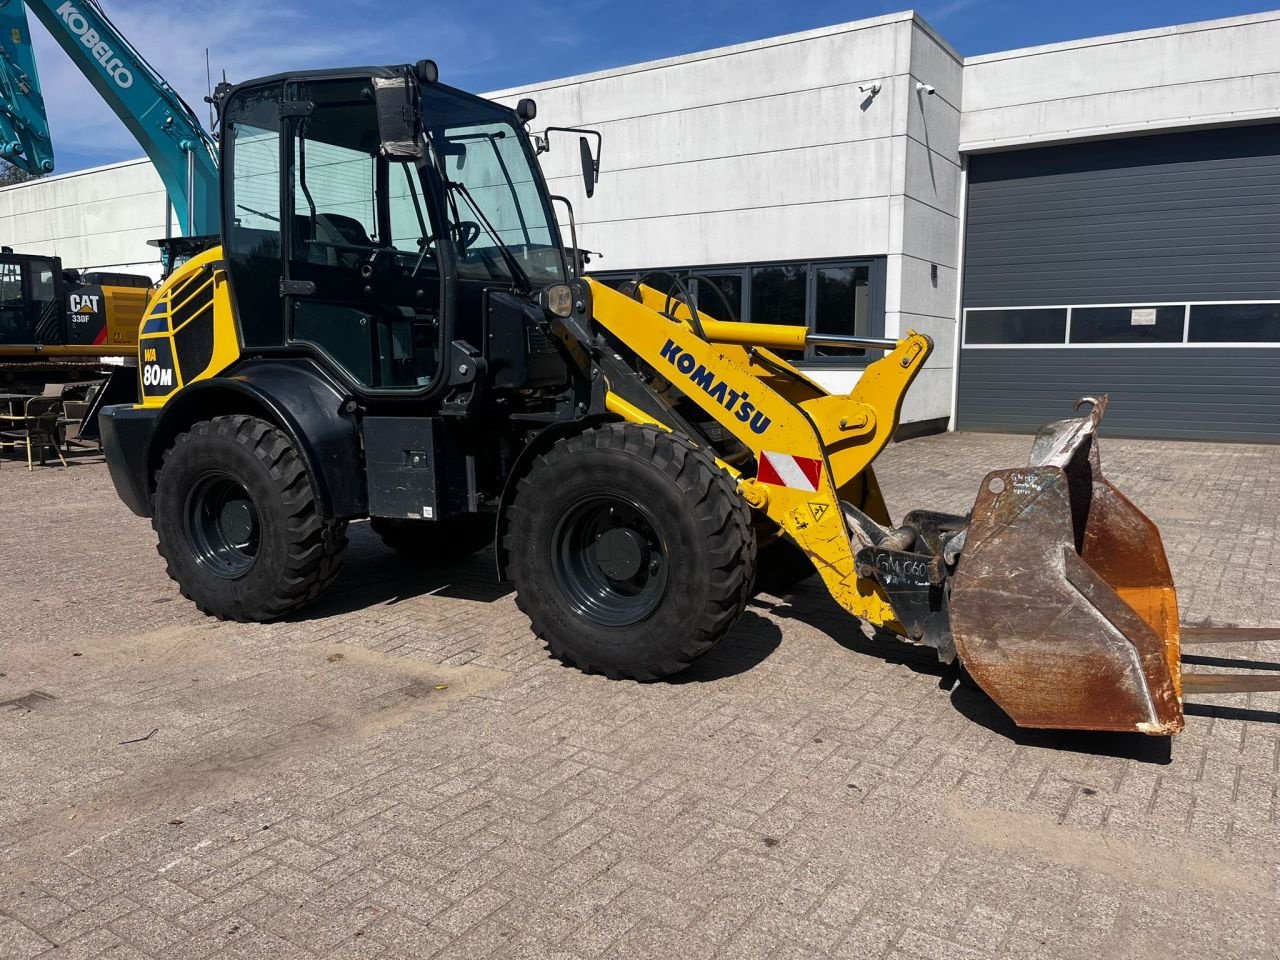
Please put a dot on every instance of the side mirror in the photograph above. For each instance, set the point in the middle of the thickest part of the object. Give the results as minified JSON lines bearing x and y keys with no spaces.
{"x":590,"y":159}
{"x":589,"y":168}
{"x":399,"y":122}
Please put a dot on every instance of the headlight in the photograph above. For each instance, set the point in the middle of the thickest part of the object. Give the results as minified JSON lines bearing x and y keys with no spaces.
{"x":558,"y":299}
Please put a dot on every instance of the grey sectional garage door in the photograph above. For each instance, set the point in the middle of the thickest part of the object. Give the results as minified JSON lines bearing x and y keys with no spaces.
{"x":1145,"y":267}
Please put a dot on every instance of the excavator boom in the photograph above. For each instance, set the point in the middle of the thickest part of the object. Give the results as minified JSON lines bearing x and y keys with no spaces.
{"x":167,"y":129}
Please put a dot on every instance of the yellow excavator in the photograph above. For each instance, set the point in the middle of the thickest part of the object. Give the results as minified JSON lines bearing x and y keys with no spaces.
{"x":58,"y":325}
{"x":391,"y":327}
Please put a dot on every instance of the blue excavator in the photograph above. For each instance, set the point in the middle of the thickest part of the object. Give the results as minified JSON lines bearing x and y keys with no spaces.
{"x":58,"y":324}
{"x":165,"y":126}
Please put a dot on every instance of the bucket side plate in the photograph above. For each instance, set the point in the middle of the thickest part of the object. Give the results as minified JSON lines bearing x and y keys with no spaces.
{"x":1040,"y":630}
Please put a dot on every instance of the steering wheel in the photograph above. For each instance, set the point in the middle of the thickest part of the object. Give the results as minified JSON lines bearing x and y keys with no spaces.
{"x":466,"y":232}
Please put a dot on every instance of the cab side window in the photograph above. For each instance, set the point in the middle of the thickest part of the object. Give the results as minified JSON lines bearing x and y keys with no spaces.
{"x":252,"y":215}
{"x":335,"y":221}
{"x":362,"y":291}
{"x":13,"y":314}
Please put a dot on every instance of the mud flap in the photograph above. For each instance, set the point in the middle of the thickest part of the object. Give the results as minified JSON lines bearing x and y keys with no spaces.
{"x":1062,"y":605}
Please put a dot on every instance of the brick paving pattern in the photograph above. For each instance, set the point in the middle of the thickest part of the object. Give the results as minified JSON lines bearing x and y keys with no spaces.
{"x":401,"y":772}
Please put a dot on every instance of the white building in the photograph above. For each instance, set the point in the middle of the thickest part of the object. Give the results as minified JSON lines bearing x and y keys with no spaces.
{"x":1095,"y":216}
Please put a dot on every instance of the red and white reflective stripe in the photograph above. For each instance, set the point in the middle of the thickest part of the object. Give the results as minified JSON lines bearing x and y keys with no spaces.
{"x":784,"y":470}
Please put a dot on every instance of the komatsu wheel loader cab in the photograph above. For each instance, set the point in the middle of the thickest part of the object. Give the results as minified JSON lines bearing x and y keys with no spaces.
{"x":389,"y":329}
{"x":353,"y":348}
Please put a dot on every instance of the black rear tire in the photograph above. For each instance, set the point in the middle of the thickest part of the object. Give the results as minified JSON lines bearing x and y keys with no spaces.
{"x":435,"y":541}
{"x":237,"y":523}
{"x":632,"y":552}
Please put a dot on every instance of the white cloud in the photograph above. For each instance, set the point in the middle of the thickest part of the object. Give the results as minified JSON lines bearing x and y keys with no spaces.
{"x":944,"y":11}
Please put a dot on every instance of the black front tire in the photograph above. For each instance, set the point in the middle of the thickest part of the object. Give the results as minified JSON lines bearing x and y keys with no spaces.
{"x":237,"y":522}
{"x":632,"y":552}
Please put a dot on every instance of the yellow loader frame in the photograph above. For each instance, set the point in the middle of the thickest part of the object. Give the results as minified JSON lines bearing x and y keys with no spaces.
{"x":826,"y":443}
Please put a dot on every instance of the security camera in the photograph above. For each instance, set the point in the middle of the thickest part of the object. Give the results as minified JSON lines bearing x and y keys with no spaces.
{"x":871,"y":88}
{"x":926,"y":89}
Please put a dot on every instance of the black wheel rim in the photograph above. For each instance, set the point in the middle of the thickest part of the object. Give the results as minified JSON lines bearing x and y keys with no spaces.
{"x":223,"y":527}
{"x":609,"y":561}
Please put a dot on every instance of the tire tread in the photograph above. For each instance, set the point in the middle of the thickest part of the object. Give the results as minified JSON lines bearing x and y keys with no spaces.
{"x":316,"y":545}
{"x":721,"y":512}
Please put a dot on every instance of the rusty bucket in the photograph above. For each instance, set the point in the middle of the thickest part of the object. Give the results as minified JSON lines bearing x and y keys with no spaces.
{"x":1063,"y":606}
{"x":1055,"y":594}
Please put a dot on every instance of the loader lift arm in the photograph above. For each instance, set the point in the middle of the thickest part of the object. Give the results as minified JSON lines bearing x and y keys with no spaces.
{"x":813,"y":451}
{"x":183,"y":152}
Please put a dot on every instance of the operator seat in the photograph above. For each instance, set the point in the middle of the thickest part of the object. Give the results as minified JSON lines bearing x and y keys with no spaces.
{"x":338,"y":228}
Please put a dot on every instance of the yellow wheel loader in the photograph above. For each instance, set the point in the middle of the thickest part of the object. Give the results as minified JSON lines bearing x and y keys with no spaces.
{"x":391,"y":327}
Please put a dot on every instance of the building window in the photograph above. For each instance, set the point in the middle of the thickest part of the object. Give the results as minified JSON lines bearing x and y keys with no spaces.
{"x":1017,"y":327}
{"x":1178,"y":325}
{"x":719,"y":294}
{"x":1127,"y":324}
{"x":843,"y":297}
{"x":778,"y":294}
{"x":1235,"y":323}
{"x":841,"y":306}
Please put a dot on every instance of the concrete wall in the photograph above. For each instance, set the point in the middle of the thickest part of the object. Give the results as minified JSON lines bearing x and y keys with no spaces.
{"x":93,"y":219}
{"x":768,"y":151}
{"x":923,"y":267}
{"x":760,"y":151}
{"x":1219,"y":71}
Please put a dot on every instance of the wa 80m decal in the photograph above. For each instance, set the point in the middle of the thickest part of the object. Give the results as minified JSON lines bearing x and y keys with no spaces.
{"x":733,"y":401}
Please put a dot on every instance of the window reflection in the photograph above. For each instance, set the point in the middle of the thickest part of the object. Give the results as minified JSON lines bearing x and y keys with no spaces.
{"x":836,"y":297}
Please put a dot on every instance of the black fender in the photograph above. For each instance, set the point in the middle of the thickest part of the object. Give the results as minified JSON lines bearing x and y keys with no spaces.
{"x":540,"y":444}
{"x":299,"y":398}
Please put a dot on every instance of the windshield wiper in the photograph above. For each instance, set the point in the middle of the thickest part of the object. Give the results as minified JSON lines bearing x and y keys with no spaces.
{"x":260,"y":213}
{"x":517,"y":271}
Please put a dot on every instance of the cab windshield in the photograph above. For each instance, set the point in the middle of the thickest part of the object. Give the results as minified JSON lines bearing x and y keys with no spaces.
{"x":493,"y":196}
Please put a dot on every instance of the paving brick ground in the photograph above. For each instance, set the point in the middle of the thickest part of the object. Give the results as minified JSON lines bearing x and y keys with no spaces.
{"x":402,"y":773}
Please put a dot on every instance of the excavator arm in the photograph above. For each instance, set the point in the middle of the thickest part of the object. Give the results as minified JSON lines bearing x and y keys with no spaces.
{"x":24,"y":128}
{"x":183,"y":152}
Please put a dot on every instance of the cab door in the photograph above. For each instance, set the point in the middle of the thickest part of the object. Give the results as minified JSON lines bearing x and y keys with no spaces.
{"x":358,"y":288}
{"x":15,"y":326}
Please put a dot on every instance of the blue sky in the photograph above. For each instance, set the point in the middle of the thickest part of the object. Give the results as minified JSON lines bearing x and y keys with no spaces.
{"x":499,"y":43}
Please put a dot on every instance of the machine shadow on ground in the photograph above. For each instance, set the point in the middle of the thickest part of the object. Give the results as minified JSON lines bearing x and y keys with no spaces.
{"x":815,"y":607}
{"x":375,"y":575}
{"x":972,"y":703}
{"x":752,"y":640}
